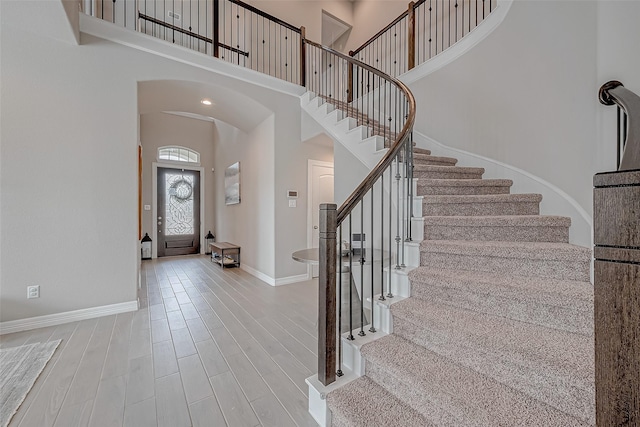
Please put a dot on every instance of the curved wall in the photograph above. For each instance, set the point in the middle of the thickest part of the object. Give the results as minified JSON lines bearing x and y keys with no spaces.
{"x":525,"y":96}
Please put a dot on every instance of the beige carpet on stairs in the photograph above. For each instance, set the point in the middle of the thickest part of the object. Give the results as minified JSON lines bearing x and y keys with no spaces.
{"x":498,"y":330}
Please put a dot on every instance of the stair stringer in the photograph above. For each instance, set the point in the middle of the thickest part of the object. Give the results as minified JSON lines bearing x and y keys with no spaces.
{"x":344,"y":130}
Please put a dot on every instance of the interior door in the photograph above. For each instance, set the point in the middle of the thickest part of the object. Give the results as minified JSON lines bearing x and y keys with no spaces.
{"x":321,"y":192}
{"x":178,"y":212}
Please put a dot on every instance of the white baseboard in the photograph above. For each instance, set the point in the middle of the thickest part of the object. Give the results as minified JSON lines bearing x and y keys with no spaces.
{"x":274,"y":282}
{"x":259,"y":274}
{"x":293,"y":279}
{"x":66,"y":317}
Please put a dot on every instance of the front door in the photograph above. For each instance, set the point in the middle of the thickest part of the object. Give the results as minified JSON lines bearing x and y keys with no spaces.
{"x":178,"y":213}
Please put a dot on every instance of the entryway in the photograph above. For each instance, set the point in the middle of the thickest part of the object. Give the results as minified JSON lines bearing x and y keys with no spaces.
{"x":178,"y":212}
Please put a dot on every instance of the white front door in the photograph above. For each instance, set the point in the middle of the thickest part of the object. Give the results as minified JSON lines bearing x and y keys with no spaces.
{"x":320,"y":191}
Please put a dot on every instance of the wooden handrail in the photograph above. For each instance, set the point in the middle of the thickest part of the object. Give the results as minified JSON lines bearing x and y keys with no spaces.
{"x":330,"y":218}
{"x":395,"y":147}
{"x":379,"y":33}
{"x":265,"y":15}
{"x":412,"y":6}
{"x":614,"y":92}
{"x":192,"y":34}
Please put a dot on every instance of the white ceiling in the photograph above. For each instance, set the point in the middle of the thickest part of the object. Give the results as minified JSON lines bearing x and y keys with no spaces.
{"x":183,"y":98}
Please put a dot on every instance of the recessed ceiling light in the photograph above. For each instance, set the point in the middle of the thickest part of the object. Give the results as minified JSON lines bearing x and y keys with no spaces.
{"x":206,"y":102}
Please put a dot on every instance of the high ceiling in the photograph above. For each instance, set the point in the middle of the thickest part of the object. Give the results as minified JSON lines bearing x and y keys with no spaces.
{"x":184,"y":98}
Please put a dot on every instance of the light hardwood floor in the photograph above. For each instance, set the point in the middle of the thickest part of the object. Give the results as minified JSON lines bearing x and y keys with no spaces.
{"x":208,"y":348}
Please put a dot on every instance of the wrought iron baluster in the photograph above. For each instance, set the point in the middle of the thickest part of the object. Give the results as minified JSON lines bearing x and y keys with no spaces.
{"x":362,"y":260}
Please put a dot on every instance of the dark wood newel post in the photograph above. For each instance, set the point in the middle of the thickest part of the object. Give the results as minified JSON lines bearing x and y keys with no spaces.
{"x":216,"y":28}
{"x":411,"y":37}
{"x":327,"y":294}
{"x":303,"y":57}
{"x":616,"y":222}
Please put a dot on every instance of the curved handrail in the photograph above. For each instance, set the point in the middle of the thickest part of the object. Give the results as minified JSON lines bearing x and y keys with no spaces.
{"x":395,"y":148}
{"x":614,"y":92}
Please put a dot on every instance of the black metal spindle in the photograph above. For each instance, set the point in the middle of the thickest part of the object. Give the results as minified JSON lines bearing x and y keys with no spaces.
{"x":340,"y":272}
{"x":381,"y":297}
{"x":390,"y":168}
{"x":350,"y":337}
{"x":372,"y":328}
{"x":362,"y":333}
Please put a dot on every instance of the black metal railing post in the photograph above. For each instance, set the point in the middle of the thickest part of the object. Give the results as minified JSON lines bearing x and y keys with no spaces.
{"x":303,"y":57}
{"x":411,"y":37}
{"x":216,"y":28}
{"x":327,"y":294}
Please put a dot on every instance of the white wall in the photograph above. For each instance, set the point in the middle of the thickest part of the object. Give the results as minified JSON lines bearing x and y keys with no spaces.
{"x":251,"y":223}
{"x":618,"y":59}
{"x":525,"y":96}
{"x":370,"y":16}
{"x":68,"y":183}
{"x":306,"y":13}
{"x":291,"y":174}
{"x":69,"y":132}
{"x":161,"y":129}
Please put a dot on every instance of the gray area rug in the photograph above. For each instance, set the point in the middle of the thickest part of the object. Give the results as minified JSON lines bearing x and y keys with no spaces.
{"x":19,"y":369}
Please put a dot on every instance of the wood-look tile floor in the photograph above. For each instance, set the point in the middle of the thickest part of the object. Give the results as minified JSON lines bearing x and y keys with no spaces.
{"x":209,"y":347}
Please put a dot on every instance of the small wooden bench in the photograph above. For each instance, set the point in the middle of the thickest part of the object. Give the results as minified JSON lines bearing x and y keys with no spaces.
{"x":226,"y":254}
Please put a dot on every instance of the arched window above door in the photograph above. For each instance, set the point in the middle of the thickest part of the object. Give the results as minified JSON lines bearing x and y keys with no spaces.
{"x":175,"y":153}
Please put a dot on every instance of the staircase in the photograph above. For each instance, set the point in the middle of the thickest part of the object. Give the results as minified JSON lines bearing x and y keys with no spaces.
{"x":499,"y":326}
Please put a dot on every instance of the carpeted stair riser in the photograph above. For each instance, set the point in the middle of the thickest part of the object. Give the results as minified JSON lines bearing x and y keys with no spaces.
{"x":446,"y":172}
{"x":463,"y":186}
{"x":417,"y":150}
{"x":552,"y":366}
{"x":441,"y":390}
{"x":553,"y":260}
{"x":562,"y":305}
{"x":520,"y":228}
{"x":363,"y":403}
{"x":481,"y":205}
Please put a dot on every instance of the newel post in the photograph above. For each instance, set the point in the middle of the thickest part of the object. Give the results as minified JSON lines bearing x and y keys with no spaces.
{"x":616,"y":223}
{"x":327,"y":294}
{"x":411,"y":37}
{"x":303,"y":57}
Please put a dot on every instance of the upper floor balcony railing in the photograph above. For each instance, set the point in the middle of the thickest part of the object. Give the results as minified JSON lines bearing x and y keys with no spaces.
{"x":230,"y":30}
{"x":424,"y":30}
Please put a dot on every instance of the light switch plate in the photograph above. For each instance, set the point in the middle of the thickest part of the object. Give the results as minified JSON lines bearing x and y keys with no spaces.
{"x":147,"y":207}
{"x":292,"y":203}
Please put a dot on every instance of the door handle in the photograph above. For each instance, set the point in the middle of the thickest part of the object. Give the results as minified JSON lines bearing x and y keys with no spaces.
{"x":315,"y":227}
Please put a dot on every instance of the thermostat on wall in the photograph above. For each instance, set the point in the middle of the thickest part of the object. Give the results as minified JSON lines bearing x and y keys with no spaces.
{"x":292,"y":194}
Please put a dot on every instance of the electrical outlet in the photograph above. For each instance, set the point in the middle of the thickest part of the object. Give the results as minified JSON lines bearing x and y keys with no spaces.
{"x":33,"y":291}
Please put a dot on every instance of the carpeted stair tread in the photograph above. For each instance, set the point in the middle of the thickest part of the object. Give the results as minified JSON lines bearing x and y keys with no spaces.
{"x":560,"y":304}
{"x":556,"y":260}
{"x":556,"y":367}
{"x":427,"y":159}
{"x":531,"y":228}
{"x":446,"y":172}
{"x":440,"y":389}
{"x":417,"y":150}
{"x":363,"y":403}
{"x":481,"y":205}
{"x":525,"y":250}
{"x":459,"y":169}
{"x":483,"y":198}
{"x":464,"y":186}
